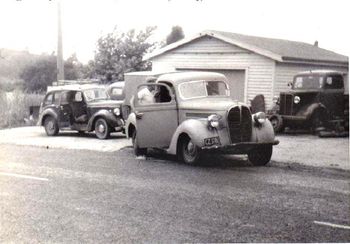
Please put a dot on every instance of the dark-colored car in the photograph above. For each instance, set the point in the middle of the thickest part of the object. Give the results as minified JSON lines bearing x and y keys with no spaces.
{"x":81,"y":108}
{"x":317,"y":100}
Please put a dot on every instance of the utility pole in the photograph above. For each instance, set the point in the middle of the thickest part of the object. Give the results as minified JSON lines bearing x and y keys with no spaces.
{"x":60,"y":65}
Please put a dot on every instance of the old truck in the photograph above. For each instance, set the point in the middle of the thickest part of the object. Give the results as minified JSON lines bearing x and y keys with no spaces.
{"x":318,"y":100}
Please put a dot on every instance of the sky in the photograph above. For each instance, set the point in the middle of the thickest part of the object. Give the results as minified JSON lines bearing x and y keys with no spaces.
{"x":32,"y":24}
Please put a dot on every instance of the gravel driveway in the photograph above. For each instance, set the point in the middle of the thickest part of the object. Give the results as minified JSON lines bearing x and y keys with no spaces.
{"x":301,"y":149}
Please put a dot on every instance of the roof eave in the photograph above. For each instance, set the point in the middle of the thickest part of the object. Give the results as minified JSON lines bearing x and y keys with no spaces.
{"x":314,"y":61}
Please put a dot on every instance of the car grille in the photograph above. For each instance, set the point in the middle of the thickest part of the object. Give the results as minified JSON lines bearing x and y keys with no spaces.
{"x":240,"y":124}
{"x":286,"y":104}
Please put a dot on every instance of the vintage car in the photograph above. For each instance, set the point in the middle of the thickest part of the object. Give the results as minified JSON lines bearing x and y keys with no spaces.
{"x":318,"y":100}
{"x":116,"y":90}
{"x":192,"y":112}
{"x":81,"y":108}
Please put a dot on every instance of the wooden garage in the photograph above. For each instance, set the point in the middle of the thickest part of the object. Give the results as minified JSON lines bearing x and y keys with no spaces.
{"x":253,"y":65}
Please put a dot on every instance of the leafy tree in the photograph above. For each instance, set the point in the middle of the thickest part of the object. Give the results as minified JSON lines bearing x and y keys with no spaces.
{"x":175,"y":35}
{"x":40,"y":73}
{"x":73,"y":69}
{"x":118,"y":53}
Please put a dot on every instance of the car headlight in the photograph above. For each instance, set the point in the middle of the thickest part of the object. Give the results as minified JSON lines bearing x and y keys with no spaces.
{"x":296,"y":99}
{"x":213,"y":120}
{"x":116,"y":111}
{"x":259,"y":118}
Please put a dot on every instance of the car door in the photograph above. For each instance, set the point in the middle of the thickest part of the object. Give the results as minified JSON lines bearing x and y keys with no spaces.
{"x":65,"y":111}
{"x":156,"y":117}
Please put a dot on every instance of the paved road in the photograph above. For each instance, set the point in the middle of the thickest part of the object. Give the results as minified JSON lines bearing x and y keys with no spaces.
{"x":59,"y":195}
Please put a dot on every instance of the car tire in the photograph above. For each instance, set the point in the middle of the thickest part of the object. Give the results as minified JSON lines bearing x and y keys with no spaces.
{"x":277,"y":123}
{"x":102,"y":129}
{"x":260,"y":156}
{"x":137,"y":150}
{"x":189,"y":153}
{"x":51,"y":126}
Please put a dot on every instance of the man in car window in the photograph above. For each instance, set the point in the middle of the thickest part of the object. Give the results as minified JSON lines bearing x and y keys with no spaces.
{"x":146,"y":95}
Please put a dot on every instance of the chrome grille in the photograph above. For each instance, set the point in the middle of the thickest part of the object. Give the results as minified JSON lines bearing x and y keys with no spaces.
{"x":286,"y":104}
{"x":240,"y":124}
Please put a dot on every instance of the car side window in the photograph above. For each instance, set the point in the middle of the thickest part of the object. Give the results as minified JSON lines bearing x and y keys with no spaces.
{"x":56,"y":98}
{"x":153,"y":93}
{"x":334,"y":82}
{"x":48,"y":99}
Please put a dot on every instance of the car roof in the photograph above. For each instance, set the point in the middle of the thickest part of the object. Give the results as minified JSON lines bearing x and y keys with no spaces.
{"x":321,"y":72}
{"x":76,"y":87}
{"x":180,"y":77}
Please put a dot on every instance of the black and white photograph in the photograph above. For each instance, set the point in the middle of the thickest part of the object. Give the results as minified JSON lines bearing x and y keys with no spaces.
{"x":174,"y":121}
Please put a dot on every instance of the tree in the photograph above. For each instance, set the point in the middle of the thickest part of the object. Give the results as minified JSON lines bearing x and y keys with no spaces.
{"x":175,"y":35}
{"x":40,"y":73}
{"x":118,"y":53}
{"x":73,"y":69}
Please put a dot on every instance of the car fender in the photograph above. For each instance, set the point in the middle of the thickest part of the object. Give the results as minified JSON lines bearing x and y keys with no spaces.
{"x":48,"y":111}
{"x":263,"y":132}
{"x":307,"y":111}
{"x":196,"y":129}
{"x":110,"y":118}
{"x":131,"y":120}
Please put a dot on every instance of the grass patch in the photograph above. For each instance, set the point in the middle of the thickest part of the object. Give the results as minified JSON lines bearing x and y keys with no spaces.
{"x":14,"y":107}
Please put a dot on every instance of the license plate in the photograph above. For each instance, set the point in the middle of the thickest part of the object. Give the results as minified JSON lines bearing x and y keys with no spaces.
{"x":211,"y":141}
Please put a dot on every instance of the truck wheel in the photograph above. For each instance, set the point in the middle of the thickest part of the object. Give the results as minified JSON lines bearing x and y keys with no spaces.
{"x":189,"y":152}
{"x":260,"y":156}
{"x":318,"y":121}
{"x":51,"y":126}
{"x":138,"y":151}
{"x":102,"y":129}
{"x":277,"y":123}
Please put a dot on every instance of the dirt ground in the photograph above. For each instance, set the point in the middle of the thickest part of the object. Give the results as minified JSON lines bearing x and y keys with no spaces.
{"x":300,"y":149}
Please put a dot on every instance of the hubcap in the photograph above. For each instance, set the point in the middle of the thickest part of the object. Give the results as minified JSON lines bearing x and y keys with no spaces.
{"x":51,"y":125}
{"x":101,"y":128}
{"x":190,"y":149}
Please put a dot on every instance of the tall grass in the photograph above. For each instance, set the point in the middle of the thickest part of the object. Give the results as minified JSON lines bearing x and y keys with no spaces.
{"x":14,"y":107}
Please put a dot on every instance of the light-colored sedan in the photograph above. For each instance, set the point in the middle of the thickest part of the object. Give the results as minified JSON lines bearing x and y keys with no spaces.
{"x":192,"y":112}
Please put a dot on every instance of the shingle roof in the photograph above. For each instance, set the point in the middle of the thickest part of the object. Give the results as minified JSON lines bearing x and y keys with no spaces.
{"x":291,"y":50}
{"x":277,"y":49}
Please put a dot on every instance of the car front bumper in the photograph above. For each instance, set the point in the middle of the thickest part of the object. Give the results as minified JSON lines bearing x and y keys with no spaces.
{"x":238,"y":148}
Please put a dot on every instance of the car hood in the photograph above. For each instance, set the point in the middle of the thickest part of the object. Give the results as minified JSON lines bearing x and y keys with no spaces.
{"x":209,"y":104}
{"x":105,"y":104}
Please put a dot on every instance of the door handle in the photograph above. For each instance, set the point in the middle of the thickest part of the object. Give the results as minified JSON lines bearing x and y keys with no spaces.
{"x":138,"y":115}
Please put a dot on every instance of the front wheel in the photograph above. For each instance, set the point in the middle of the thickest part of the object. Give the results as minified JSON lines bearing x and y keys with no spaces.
{"x":102,"y":129}
{"x":51,"y":126}
{"x":277,"y":123}
{"x":260,"y":156}
{"x":189,"y":152}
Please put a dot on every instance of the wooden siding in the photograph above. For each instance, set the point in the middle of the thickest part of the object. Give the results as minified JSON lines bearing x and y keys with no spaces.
{"x":213,"y":54}
{"x":286,"y":72}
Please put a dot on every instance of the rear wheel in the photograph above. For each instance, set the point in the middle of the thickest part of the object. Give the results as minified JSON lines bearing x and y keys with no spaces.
{"x":137,"y":150}
{"x":189,"y":152}
{"x":102,"y":129}
{"x":51,"y":126}
{"x":260,"y":156}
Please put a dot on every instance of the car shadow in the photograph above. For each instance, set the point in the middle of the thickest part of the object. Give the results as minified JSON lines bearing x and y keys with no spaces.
{"x":88,"y":135}
{"x":218,"y":161}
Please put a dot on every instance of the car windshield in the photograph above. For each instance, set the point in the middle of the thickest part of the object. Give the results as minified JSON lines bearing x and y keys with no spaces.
{"x":95,"y":94}
{"x":197,"y":89}
{"x":308,"y":82}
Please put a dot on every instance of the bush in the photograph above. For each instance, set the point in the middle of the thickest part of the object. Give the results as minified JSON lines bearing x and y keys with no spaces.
{"x":14,"y":107}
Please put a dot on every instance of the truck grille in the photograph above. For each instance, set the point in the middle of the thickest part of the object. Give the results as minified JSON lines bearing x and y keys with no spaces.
{"x":286,"y":104}
{"x":240,"y":124}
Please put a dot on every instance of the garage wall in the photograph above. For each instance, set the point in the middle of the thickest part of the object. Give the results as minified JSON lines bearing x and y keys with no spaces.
{"x":286,"y":72}
{"x":209,"y":53}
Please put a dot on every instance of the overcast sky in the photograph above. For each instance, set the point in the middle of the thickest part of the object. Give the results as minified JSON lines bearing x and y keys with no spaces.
{"x":32,"y":24}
